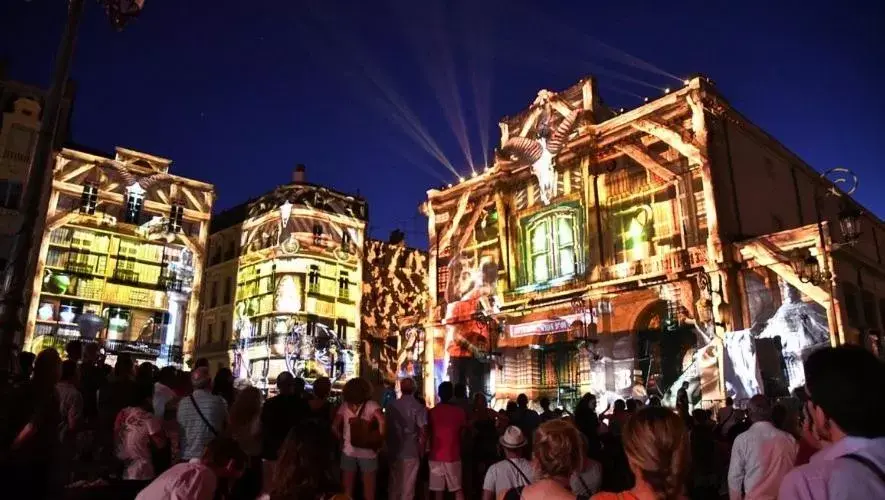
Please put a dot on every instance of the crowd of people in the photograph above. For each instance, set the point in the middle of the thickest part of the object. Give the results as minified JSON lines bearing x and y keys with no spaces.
{"x":75,"y":428}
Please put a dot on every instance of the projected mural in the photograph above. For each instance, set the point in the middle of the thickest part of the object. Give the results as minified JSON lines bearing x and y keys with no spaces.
{"x":590,"y":257}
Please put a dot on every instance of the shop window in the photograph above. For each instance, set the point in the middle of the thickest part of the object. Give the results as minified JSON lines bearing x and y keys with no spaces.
{"x":551,"y":242}
{"x":89,"y":198}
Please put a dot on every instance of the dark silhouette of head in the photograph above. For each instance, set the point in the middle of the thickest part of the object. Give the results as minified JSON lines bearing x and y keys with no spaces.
{"x":545,"y":403}
{"x":522,"y":401}
{"x":445,"y":392}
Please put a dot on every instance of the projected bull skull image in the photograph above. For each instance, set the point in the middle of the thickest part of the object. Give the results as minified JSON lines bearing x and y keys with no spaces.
{"x":540,"y":152}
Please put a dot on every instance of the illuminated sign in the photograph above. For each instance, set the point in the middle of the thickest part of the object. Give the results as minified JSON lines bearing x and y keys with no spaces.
{"x":546,"y":327}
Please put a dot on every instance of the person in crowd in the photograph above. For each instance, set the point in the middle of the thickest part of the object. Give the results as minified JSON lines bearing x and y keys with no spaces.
{"x":618,"y":417}
{"x":136,"y":433}
{"x":244,"y":425}
{"x":761,"y":456}
{"x":70,"y":402}
{"x":201,"y":363}
{"x":447,"y":424}
{"x":74,"y":350}
{"x":199,"y":478}
{"x":34,"y":426}
{"x":512,"y":472}
{"x":223,"y":385}
{"x":631,"y":406}
{"x":557,"y":453}
{"x":26,"y":362}
{"x":846,"y":411}
{"x":484,"y":427}
{"x":406,"y":441}
{"x":682,"y":402}
{"x":91,"y":380}
{"x":201,"y":416}
{"x":704,"y":479}
{"x":321,"y":409}
{"x":524,"y":417}
{"x":546,"y":414}
{"x":164,"y":394}
{"x":657,"y":448}
{"x":279,"y":414}
{"x":726,"y":417}
{"x":358,"y":404}
{"x":304,"y":469}
{"x":587,"y":480}
{"x":301,"y":388}
{"x":654,"y":401}
{"x":808,"y":441}
{"x":144,"y":373}
{"x":460,"y":397}
{"x":114,"y":395}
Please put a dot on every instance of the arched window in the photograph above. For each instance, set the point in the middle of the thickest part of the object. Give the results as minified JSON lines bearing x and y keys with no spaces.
{"x":551,"y":243}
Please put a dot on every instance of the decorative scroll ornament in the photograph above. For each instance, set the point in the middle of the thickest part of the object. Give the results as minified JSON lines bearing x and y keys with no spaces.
{"x":541,"y":152}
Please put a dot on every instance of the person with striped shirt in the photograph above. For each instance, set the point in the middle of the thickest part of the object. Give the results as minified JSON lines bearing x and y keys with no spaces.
{"x":201,"y":416}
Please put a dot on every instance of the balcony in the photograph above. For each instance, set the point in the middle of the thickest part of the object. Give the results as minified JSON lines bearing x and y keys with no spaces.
{"x":149,"y":350}
{"x":659,"y":265}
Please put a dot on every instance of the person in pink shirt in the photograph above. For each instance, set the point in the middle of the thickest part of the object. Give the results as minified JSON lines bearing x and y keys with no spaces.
{"x":447,"y":422}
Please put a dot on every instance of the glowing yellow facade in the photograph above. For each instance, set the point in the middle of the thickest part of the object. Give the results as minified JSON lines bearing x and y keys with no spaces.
{"x":121,"y":256}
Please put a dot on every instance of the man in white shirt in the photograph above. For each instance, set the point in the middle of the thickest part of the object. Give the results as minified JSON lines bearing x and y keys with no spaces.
{"x":512,"y":472}
{"x":846,"y":411}
{"x":198,"y":479}
{"x":761,"y":456}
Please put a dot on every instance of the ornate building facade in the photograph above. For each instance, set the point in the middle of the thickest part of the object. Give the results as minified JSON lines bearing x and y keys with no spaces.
{"x":284,"y":290}
{"x":620,"y":253}
{"x":121,"y":256}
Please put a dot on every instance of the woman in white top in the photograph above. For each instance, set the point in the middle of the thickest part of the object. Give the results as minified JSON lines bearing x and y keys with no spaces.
{"x":357,"y":404}
{"x":136,"y":431}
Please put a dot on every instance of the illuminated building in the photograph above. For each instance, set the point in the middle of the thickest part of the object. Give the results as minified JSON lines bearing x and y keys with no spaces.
{"x":121,"y":256}
{"x":20,"y":114}
{"x":296,"y":302}
{"x":622,"y":253}
{"x":394,"y":308}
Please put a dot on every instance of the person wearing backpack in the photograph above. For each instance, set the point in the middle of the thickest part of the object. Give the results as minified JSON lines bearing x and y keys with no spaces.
{"x":512,"y":472}
{"x":359,"y":425}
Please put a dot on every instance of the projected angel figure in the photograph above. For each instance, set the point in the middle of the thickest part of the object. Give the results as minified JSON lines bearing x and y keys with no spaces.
{"x":541,"y":152}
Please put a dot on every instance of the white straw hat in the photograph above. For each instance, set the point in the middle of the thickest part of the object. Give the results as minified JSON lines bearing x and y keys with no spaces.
{"x":512,"y":438}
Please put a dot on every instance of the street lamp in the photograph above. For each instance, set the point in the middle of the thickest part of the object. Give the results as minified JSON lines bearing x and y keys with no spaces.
{"x":22,"y":259}
{"x":808,"y":267}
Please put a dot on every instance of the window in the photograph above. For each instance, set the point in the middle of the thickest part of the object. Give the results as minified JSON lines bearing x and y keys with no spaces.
{"x":311,"y":326}
{"x":134,"y":204}
{"x":341,"y":329}
{"x":551,"y":245}
{"x":89,"y":198}
{"x":343,"y":285}
{"x":223,"y":334}
{"x":632,"y":230}
{"x":317,"y":234}
{"x":228,"y":290}
{"x":176,"y":216}
{"x":313,"y":279}
{"x":10,"y":194}
{"x":211,"y":336}
{"x":345,"y":240}
{"x":213,"y":295}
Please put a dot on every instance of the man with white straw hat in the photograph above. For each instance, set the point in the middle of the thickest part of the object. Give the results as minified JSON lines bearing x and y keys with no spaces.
{"x":512,"y":472}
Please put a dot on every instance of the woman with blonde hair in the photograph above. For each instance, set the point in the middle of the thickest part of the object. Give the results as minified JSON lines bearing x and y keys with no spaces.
{"x":656,"y":444}
{"x":557,"y":453}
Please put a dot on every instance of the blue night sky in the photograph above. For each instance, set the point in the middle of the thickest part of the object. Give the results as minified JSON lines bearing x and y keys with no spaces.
{"x":237,"y":92}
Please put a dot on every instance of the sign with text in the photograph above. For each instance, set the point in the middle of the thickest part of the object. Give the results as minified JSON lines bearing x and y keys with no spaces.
{"x":547,"y":326}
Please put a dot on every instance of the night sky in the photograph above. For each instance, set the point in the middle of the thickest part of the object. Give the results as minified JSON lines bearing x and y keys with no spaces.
{"x":237,"y":93}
